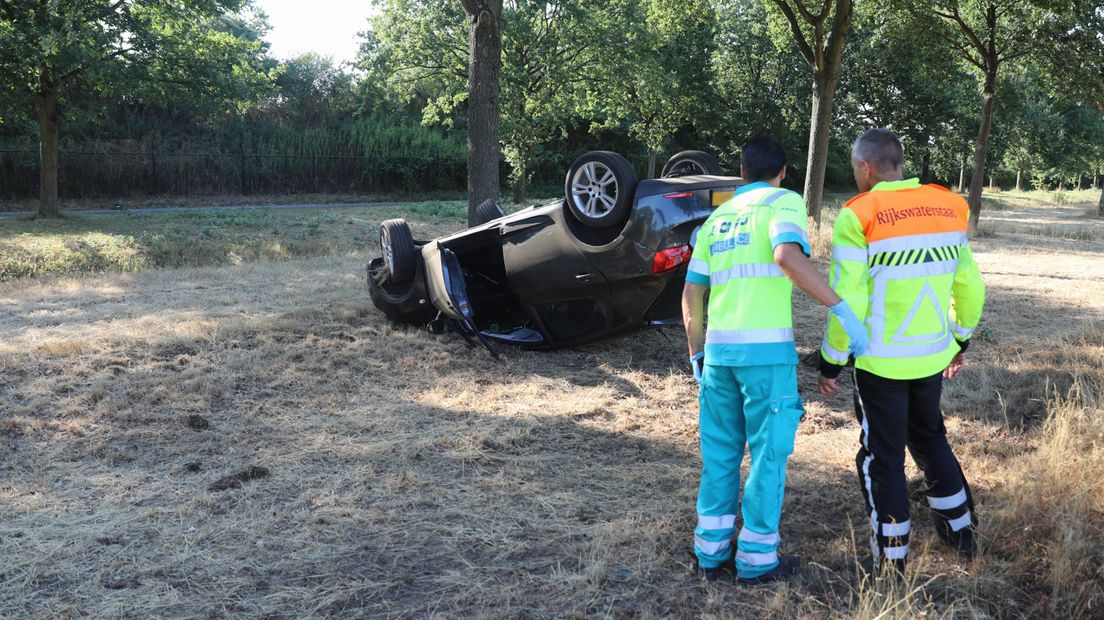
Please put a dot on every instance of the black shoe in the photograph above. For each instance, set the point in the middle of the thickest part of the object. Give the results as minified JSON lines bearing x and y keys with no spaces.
{"x":710,"y":575}
{"x":865,"y":567}
{"x":963,"y":541}
{"x":787,"y":566}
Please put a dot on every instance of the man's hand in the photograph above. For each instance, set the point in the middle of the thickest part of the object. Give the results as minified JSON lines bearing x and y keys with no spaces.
{"x":829,"y":387}
{"x":856,"y":331}
{"x":955,"y":366}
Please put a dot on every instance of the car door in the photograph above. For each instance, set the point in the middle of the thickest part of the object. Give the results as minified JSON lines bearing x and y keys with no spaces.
{"x":564,"y":293}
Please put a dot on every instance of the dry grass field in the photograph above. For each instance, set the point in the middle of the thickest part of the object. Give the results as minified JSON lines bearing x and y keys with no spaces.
{"x":253,"y":439}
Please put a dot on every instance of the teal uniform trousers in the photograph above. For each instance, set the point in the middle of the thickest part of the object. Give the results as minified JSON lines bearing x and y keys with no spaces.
{"x":756,"y":406}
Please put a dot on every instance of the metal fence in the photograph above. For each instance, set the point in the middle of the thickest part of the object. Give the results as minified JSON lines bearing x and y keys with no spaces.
{"x":89,"y":174}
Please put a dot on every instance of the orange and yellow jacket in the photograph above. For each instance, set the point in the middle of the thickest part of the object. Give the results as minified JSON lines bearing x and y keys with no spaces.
{"x":902,"y":261}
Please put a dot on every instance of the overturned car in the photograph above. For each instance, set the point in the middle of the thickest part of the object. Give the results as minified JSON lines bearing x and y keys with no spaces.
{"x":608,"y":259}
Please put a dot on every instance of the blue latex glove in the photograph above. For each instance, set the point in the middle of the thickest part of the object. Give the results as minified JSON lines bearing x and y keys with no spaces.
{"x":697,"y":363}
{"x":856,"y":331}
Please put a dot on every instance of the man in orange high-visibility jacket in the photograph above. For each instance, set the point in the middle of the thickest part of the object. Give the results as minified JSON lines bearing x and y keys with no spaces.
{"x":901,"y":260}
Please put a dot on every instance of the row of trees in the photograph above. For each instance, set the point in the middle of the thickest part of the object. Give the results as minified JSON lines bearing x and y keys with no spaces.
{"x":985,"y":35}
{"x":1016,"y":82}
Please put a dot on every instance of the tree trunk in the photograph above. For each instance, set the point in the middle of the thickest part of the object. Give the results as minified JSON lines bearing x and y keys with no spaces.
{"x":925,"y":170}
{"x":824,"y":91}
{"x":1100,"y":206}
{"x":484,"y":67}
{"x":1061,"y":183}
{"x":823,"y":52}
{"x":962,"y":174}
{"x":977,"y":181}
{"x":1096,"y":179}
{"x":992,"y":182}
{"x":651,"y":163}
{"x":49,"y":121}
{"x":1019,"y":180}
{"x":1080,"y":176}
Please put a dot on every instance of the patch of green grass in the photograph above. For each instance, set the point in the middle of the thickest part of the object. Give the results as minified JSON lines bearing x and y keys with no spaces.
{"x":1003,"y":199}
{"x":436,"y":212}
{"x":138,"y":240}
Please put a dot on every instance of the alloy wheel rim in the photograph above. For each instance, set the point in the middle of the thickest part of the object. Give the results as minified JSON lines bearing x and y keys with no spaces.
{"x":594,"y":190}
{"x":388,"y":253}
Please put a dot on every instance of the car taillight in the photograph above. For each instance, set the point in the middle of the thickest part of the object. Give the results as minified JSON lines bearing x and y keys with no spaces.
{"x":679,"y":195}
{"x":666,"y":260}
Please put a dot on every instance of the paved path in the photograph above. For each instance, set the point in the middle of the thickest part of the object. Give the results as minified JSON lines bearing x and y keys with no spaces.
{"x":229,"y":208}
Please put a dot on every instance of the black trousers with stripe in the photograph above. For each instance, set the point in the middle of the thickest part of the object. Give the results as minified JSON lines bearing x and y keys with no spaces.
{"x":895,"y":414}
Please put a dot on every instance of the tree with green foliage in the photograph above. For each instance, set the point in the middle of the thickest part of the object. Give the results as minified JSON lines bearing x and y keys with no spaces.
{"x":988,"y":34}
{"x":415,"y":53}
{"x":758,"y":89}
{"x":819,"y":33}
{"x":898,"y":80}
{"x":55,"y":53}
{"x":1075,"y":62}
{"x":314,"y":91}
{"x":654,"y":76}
{"x":548,"y":53}
{"x":1029,"y":126}
{"x":550,"y":50}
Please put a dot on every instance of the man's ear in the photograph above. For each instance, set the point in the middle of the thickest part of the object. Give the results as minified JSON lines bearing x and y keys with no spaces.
{"x":743,"y":175}
{"x":865,"y":168}
{"x":782,"y":175}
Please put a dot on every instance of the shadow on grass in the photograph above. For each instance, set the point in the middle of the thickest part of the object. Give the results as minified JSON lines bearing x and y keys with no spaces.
{"x":410,"y":475}
{"x":376,"y":505}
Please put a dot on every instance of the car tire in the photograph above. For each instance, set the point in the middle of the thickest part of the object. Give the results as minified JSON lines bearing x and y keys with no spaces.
{"x":687,"y":163}
{"x":600,"y":189}
{"x":487,"y":211}
{"x":399,"y":253}
{"x":399,"y":303}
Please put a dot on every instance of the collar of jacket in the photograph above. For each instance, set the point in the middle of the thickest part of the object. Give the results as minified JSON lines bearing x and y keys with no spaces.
{"x":750,"y":187}
{"x":892,"y":186}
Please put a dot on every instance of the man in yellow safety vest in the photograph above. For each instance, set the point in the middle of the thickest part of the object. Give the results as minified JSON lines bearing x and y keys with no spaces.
{"x":902,"y":261}
{"x":748,"y":255}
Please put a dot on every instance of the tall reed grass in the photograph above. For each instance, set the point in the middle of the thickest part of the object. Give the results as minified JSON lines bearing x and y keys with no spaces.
{"x":371,"y":154}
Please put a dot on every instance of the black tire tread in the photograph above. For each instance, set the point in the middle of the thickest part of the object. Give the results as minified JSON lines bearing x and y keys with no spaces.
{"x":487,"y":211}
{"x":402,"y":248}
{"x":702,"y":158}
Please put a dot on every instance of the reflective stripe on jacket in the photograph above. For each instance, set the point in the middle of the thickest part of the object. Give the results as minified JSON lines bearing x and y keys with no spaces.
{"x":901,"y":260}
{"x":749,"y":313}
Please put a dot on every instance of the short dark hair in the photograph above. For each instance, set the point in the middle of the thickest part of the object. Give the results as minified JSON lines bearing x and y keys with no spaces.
{"x":881,"y":148}
{"x":762,"y":159}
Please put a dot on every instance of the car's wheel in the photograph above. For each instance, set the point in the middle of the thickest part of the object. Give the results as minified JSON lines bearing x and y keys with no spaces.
{"x":404,"y":303}
{"x":687,"y":163}
{"x":487,"y":211}
{"x":600,"y":188}
{"x":399,"y":253}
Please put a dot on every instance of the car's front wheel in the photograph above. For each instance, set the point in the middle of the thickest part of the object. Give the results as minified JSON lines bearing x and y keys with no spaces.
{"x":689,"y":163}
{"x":600,"y":188}
{"x":399,"y":253}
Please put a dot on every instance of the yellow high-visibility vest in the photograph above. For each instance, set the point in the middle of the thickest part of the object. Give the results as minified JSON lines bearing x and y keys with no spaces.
{"x":902,"y":261}
{"x":750,"y":315}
